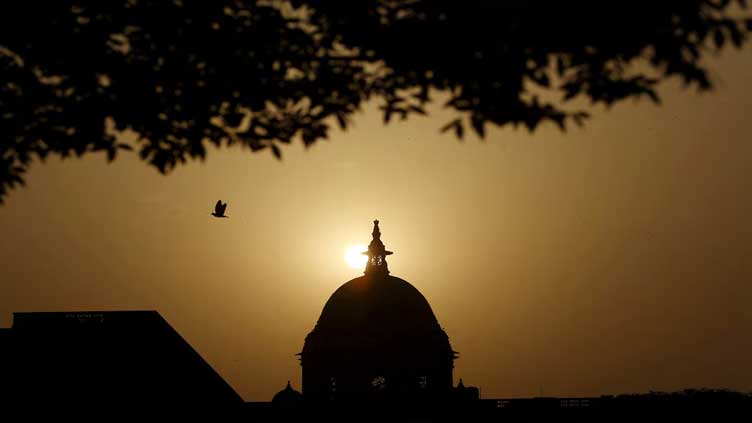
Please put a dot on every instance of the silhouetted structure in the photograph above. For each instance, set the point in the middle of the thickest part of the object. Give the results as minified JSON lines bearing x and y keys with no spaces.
{"x":116,"y":366}
{"x":105,"y":365}
{"x":377,"y":338}
{"x":287,"y":398}
{"x":377,"y":353}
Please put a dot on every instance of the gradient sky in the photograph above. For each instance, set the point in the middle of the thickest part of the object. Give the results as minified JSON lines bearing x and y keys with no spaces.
{"x":609,"y":259}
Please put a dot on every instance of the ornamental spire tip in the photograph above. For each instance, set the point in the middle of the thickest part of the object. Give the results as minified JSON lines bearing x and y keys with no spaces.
{"x":376,"y":252}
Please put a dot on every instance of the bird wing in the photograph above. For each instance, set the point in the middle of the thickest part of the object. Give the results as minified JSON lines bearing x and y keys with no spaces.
{"x":218,"y":207}
{"x":224,"y":207}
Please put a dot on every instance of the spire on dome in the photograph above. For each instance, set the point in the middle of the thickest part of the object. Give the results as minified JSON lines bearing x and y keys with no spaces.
{"x":376,"y":253}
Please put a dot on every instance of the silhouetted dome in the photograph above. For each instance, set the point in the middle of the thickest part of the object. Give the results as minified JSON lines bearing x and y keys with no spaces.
{"x":376,"y":312}
{"x":287,"y":398}
{"x":377,"y":305}
{"x":376,"y":334}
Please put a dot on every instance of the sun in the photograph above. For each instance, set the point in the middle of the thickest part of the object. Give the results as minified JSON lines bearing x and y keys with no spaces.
{"x":354,"y":258}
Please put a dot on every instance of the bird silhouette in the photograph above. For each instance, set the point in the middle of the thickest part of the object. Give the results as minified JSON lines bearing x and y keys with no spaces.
{"x":219,"y":209}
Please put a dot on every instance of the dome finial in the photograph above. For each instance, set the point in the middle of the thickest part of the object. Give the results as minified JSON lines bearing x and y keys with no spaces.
{"x":376,"y":252}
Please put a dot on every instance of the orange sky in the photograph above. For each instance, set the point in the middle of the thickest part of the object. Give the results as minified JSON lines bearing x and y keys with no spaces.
{"x":604,"y":260}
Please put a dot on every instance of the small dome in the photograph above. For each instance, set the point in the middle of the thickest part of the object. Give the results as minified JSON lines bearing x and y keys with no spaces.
{"x":287,"y":397}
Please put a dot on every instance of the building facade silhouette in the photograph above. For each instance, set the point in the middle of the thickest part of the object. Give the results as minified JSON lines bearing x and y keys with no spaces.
{"x":106,"y":365}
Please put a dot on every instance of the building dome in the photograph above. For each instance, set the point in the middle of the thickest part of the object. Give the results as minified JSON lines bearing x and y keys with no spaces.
{"x":372,"y":311}
{"x":376,"y":334}
{"x":287,"y":398}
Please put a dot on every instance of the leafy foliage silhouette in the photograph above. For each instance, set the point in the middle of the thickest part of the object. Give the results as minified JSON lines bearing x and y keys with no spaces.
{"x":184,"y":75}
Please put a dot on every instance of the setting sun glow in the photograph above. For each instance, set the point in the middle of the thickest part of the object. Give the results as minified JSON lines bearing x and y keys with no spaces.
{"x":354,"y":258}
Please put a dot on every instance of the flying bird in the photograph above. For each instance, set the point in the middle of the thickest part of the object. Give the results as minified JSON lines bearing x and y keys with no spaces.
{"x":219,"y":209}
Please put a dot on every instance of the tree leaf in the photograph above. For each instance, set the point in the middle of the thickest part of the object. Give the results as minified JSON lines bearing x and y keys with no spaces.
{"x":718,"y":37}
{"x":478,"y":124}
{"x":341,"y":120}
{"x":276,"y":151}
